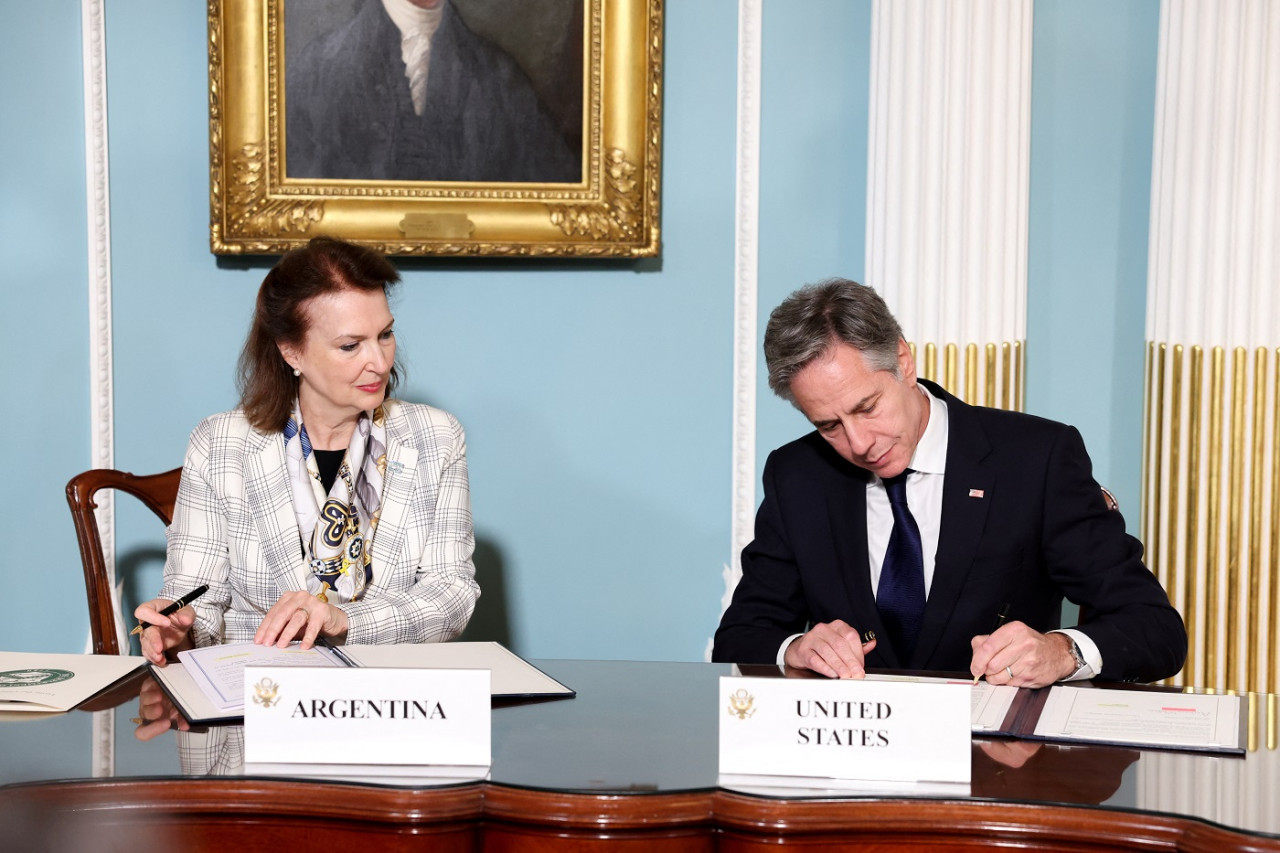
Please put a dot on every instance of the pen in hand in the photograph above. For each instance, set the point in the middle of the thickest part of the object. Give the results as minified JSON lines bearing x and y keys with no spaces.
{"x":173,"y":608}
{"x":1000,"y":617}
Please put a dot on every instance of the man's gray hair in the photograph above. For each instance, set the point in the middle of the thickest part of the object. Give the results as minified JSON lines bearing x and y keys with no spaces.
{"x":816,"y":317}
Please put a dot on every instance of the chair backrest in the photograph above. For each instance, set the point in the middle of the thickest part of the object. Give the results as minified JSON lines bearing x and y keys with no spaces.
{"x":157,"y":491}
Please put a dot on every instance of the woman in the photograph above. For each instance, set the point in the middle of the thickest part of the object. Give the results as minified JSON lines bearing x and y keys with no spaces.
{"x":321,"y":507}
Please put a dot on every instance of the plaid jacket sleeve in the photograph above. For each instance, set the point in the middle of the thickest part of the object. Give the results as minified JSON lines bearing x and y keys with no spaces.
{"x":424,"y":587}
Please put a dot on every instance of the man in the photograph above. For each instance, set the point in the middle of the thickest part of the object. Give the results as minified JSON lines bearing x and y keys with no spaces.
{"x":405,"y":91}
{"x":1001,"y":518}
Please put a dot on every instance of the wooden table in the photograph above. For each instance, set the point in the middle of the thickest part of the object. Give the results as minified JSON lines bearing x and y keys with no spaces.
{"x":630,"y":764}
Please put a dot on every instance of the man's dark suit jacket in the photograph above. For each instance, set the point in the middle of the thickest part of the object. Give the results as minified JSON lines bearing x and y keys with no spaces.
{"x":1023,"y":523}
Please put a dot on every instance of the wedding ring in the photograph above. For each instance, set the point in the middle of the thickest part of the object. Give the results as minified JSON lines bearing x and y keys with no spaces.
{"x":1006,"y":669}
{"x":304,"y":611}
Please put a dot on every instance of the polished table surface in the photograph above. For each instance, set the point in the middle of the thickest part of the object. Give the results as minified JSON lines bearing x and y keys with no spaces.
{"x":631,"y":760}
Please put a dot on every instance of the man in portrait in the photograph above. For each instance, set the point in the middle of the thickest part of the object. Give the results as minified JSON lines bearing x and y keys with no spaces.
{"x":404,"y":90}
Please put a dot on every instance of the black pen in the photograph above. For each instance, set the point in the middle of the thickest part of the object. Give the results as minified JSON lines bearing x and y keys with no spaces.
{"x":337,"y":652}
{"x":171,"y":609}
{"x":1000,"y":617}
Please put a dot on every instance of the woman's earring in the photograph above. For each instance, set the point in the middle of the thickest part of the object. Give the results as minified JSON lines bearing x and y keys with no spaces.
{"x":297,"y":372}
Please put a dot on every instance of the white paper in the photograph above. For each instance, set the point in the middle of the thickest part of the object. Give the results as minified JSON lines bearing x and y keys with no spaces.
{"x":1191,"y":720}
{"x":57,"y":682}
{"x":512,"y":675}
{"x":989,"y":703}
{"x":219,"y":670}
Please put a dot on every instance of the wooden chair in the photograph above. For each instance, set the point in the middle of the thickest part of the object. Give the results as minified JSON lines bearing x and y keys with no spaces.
{"x":157,"y":491}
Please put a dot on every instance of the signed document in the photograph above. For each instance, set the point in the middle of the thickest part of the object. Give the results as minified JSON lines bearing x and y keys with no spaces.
{"x":207,"y":684}
{"x":219,"y":670}
{"x":989,"y":703}
{"x":1140,"y":718}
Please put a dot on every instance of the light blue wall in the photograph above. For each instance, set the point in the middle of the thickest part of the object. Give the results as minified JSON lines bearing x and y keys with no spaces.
{"x":43,"y":321}
{"x":597,"y":396}
{"x":813,"y":174}
{"x":594,"y":394}
{"x":1092,"y":117}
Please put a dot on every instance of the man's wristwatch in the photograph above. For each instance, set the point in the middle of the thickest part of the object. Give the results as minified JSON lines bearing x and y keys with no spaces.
{"x":1077,"y":656}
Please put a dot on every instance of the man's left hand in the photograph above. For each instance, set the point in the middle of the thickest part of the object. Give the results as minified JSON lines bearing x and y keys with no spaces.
{"x":1015,"y":654}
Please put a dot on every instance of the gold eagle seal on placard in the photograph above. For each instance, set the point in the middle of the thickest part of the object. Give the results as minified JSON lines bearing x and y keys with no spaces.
{"x":740,"y":704}
{"x":264,"y":692}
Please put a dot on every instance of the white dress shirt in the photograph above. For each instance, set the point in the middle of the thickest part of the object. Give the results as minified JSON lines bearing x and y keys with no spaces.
{"x":924,"y":498}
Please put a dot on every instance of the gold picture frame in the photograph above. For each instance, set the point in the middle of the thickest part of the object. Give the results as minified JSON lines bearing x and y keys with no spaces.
{"x":612,"y":211}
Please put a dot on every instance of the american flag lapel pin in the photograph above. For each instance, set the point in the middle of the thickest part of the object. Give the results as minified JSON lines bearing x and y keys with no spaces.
{"x":976,"y":493}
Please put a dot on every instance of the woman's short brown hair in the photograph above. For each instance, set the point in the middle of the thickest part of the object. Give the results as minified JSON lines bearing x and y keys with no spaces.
{"x":325,"y":265}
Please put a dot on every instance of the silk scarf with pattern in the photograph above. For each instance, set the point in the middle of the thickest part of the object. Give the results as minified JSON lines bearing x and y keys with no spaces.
{"x":338,"y":528}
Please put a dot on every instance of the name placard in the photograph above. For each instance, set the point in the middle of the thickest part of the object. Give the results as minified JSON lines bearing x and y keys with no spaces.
{"x":367,"y":716}
{"x":844,"y":730}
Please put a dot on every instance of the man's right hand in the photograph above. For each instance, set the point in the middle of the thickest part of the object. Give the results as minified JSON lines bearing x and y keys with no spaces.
{"x":834,"y":649}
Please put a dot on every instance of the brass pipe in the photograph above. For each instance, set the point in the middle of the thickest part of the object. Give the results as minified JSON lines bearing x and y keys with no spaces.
{"x":1256,"y":477}
{"x":971,"y":374}
{"x":1273,"y":634}
{"x":1173,"y":522}
{"x":1150,"y":528}
{"x":1235,"y":509}
{"x":1006,"y":375}
{"x":1191,"y":579}
{"x":989,"y":393}
{"x":1212,"y":556}
{"x":1155,"y":557}
{"x":1020,"y":366}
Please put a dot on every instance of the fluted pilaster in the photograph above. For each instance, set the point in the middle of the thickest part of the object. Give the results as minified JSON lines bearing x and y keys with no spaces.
{"x":947,"y":193}
{"x":1212,"y":473}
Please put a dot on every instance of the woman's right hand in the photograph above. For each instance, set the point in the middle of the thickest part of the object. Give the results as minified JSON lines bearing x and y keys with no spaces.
{"x":165,"y":633}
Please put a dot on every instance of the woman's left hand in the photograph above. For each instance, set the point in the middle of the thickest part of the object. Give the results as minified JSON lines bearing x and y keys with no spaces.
{"x":300,"y":615}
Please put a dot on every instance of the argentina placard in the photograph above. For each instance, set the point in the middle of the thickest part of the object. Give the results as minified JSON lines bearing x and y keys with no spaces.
{"x":367,"y":716}
{"x":844,"y":730}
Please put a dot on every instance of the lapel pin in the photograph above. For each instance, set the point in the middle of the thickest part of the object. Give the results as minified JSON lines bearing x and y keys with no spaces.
{"x":976,"y":493}
{"x":395,"y":467}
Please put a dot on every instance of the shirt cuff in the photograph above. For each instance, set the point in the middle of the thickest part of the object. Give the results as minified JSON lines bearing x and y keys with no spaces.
{"x":782,"y":652}
{"x":1089,"y":649}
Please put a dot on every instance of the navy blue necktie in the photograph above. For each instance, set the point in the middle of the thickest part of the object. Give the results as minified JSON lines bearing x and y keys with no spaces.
{"x":900,"y":597}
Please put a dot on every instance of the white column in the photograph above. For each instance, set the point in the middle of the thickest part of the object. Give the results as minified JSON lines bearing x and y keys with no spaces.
{"x":745,"y":288}
{"x":947,"y":186}
{"x":94,"y":58}
{"x":1212,"y":474}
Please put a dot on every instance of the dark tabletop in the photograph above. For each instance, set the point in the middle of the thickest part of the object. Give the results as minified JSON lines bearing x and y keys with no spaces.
{"x":640,"y":727}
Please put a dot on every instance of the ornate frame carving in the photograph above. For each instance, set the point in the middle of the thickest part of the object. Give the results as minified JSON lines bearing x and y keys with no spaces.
{"x":613,"y":212}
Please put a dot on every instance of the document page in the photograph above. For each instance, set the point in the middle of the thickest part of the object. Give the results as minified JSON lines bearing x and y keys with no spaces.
{"x":57,"y":682}
{"x":512,"y":675}
{"x":219,"y":670}
{"x":1186,"y":720}
{"x":989,"y":703}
